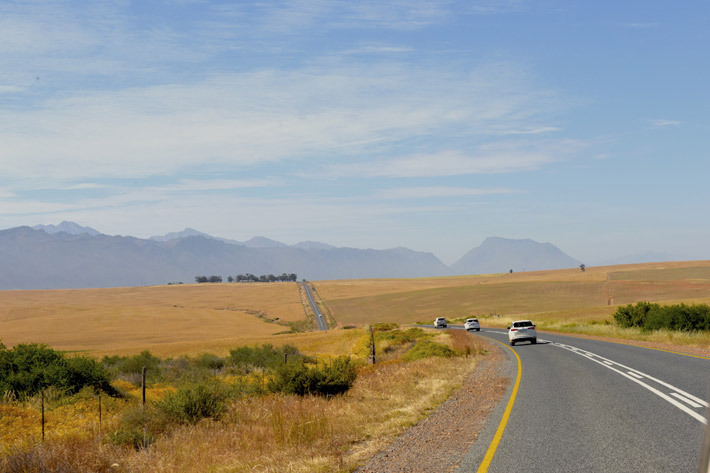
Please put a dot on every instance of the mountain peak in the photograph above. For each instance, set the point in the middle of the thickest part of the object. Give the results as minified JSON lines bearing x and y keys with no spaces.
{"x":499,"y":255}
{"x":67,"y":227}
{"x":263,"y":242}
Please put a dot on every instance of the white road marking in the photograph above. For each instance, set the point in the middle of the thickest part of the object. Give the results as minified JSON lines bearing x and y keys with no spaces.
{"x":636,"y":376}
{"x":686,"y":400}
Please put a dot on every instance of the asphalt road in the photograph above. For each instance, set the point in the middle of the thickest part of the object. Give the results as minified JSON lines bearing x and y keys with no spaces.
{"x":320,"y":319}
{"x":593,"y":406}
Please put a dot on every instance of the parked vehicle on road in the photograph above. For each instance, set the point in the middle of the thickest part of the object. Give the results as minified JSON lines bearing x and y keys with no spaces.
{"x":521,"y":330}
{"x":440,"y":322}
{"x":472,"y":324}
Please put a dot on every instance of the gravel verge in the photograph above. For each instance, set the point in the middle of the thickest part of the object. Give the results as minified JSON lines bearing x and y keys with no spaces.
{"x":438,"y":443}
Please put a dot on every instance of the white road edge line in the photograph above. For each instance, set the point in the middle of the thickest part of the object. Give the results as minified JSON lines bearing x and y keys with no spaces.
{"x":686,"y":400}
{"x":655,"y":391}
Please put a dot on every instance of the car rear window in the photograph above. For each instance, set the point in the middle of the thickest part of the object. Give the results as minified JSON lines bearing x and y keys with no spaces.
{"x":526,"y":323}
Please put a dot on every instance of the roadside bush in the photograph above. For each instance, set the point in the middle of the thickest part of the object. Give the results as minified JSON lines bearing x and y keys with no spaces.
{"x":138,"y":427}
{"x":651,"y":316}
{"x":634,"y":315}
{"x":133,"y":365}
{"x":264,"y":356}
{"x":427,"y":349}
{"x":27,"y":369}
{"x":190,"y":404}
{"x":297,"y":378}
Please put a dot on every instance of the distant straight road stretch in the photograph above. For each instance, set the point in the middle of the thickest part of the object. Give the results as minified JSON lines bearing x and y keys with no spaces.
{"x":593,"y":406}
{"x":316,"y":311}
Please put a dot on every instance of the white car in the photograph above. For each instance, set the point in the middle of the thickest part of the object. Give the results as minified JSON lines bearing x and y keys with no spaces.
{"x":440,"y":322}
{"x":522,"y":330}
{"x":472,"y":324}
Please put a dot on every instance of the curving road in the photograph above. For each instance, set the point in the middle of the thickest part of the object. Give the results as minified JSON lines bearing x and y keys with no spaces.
{"x":592,"y":406}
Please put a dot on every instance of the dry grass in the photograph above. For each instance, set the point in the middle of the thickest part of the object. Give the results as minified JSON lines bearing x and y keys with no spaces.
{"x":273,"y":433}
{"x":135,"y":318}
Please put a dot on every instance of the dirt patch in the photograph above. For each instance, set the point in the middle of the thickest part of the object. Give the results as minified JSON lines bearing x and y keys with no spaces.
{"x":439,"y":442}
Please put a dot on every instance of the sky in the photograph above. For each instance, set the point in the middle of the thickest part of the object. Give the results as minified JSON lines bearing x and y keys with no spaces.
{"x":428,"y":124}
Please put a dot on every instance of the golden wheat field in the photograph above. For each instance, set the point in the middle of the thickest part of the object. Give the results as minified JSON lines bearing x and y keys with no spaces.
{"x":132,"y":319}
{"x":198,"y":318}
{"x":568,"y":295}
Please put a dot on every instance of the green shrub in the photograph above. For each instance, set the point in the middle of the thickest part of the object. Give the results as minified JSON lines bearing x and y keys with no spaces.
{"x":27,"y":369}
{"x":634,"y":315}
{"x":297,"y":378}
{"x":190,"y":404}
{"x":651,"y":316}
{"x":427,"y":349}
{"x":138,"y":427}
{"x":264,"y":357}
{"x":384,"y":326}
{"x":133,"y":364}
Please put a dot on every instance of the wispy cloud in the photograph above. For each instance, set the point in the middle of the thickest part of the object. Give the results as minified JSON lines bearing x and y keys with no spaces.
{"x":265,"y":116}
{"x":642,"y":25}
{"x":660,"y":123}
{"x":439,"y":192}
{"x":491,"y":158}
{"x":489,"y":7}
{"x":377,"y":49}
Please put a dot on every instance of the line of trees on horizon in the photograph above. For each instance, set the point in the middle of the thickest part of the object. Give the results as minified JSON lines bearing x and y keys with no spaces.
{"x":248,"y":277}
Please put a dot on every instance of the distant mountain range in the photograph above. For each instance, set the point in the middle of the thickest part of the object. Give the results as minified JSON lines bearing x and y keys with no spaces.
{"x":71,"y":256}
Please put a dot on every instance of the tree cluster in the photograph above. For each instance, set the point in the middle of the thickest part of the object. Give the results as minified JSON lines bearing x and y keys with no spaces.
{"x":248,"y":277}
{"x":202,"y":279}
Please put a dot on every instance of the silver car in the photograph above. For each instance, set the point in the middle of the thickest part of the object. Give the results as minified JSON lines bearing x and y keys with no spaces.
{"x":440,"y":322}
{"x":522,"y":330}
{"x":472,"y":324}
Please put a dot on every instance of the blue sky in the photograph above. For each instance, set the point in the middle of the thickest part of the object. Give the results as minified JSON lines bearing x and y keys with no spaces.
{"x":425,"y":124}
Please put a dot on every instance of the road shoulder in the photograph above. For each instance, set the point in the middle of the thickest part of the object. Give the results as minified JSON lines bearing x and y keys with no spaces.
{"x":440,"y":442}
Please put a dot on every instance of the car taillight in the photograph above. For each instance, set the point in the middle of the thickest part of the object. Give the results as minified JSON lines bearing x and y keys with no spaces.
{"x":513,"y":329}
{"x":532,"y":327}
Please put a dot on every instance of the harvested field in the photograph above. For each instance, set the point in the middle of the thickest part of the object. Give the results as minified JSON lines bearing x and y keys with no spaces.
{"x":568,"y":295}
{"x":141,"y":317}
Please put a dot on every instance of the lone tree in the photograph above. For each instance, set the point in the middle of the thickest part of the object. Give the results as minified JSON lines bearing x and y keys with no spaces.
{"x":582,"y":267}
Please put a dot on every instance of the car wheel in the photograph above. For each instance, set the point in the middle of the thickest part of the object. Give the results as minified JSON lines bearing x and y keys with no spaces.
{"x":512,"y":343}
{"x":478,"y":330}
{"x":533,"y":341}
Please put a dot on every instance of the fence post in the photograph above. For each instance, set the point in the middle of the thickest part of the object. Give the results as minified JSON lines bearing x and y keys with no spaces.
{"x":372,"y":359}
{"x":43,"y":415}
{"x":145,"y":427}
{"x":99,"y":416}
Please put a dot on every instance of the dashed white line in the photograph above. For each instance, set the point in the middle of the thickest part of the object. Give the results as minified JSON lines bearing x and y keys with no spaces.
{"x":634,"y":374}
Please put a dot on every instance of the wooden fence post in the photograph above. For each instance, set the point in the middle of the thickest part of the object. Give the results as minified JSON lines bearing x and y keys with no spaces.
{"x":99,"y":416}
{"x":145,"y":427}
{"x":43,"y":415}
{"x":372,"y":359}
{"x":143,"y":387}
